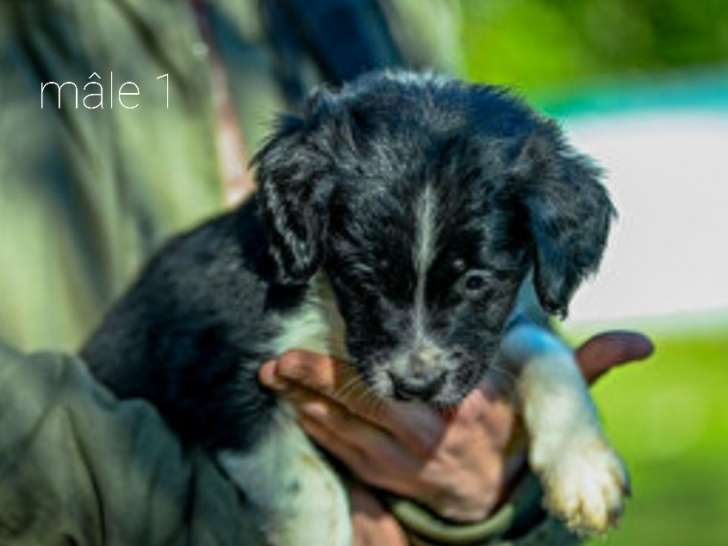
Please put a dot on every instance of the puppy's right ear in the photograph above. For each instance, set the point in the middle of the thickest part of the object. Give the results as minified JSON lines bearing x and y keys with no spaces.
{"x":293,"y":189}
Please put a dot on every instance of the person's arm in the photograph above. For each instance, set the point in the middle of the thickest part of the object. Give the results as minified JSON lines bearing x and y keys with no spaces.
{"x":79,"y":466}
{"x":461,"y":468}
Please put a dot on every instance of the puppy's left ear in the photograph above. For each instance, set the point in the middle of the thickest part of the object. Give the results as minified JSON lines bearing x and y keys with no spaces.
{"x":568,"y":213}
{"x":293,"y":188}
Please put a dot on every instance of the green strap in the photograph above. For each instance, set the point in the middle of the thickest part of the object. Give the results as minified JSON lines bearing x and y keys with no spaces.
{"x":424,"y":527}
{"x":424,"y":524}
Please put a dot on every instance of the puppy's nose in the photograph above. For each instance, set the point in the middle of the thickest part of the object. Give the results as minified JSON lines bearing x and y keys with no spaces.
{"x":419,"y":387}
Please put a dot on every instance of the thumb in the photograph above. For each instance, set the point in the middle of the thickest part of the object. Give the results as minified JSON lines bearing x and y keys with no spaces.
{"x":603,"y":351}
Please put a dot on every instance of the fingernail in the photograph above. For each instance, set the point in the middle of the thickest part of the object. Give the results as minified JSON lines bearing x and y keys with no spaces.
{"x":270,"y":378}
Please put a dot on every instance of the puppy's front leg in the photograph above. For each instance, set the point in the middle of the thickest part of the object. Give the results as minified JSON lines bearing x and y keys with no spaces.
{"x":297,"y":497}
{"x":584,"y":480}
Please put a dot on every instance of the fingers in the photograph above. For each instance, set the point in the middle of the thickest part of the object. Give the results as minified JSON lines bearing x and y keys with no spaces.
{"x":298,"y":375}
{"x":375,"y":456}
{"x":321,"y":374}
{"x":360,"y":447}
{"x":604,"y":351}
{"x":347,"y":427}
{"x":313,"y":371}
{"x":269,"y":377}
{"x":352,"y":457}
{"x":417,"y":426}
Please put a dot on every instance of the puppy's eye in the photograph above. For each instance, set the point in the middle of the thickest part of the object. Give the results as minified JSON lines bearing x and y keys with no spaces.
{"x":475,"y":284}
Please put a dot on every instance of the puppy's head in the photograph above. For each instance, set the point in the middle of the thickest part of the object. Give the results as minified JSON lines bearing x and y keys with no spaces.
{"x":427,"y":201}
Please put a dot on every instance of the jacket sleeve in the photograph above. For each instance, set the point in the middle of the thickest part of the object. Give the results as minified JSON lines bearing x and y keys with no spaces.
{"x":79,"y":467}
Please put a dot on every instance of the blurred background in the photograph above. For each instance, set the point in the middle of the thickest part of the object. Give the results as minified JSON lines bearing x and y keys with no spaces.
{"x":642,"y":85}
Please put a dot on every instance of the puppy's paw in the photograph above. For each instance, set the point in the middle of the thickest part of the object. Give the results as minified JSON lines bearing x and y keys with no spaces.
{"x":586,"y":486}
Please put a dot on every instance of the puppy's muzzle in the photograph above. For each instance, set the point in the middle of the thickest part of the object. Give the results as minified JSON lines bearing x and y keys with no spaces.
{"x":424,"y":387}
{"x":419,"y":373}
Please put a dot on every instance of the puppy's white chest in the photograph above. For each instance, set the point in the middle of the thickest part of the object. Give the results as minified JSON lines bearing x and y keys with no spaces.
{"x":296,"y":495}
{"x":315,"y":326}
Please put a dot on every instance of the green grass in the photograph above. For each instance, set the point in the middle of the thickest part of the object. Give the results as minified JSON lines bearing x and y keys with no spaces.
{"x":669,"y":419}
{"x":539,"y":44}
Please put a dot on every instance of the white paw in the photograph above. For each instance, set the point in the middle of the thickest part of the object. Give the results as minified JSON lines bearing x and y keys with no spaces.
{"x":586,"y":485}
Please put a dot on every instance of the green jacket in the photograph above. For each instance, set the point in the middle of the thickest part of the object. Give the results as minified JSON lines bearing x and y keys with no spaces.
{"x":86,"y":194}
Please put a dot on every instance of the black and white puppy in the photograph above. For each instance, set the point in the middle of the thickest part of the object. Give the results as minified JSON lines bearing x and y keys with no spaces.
{"x":402,"y":223}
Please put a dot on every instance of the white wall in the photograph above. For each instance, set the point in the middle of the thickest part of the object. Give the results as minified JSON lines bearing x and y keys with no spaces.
{"x":668,"y":175}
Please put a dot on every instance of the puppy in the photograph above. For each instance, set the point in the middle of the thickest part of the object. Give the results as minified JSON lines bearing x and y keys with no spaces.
{"x":417,"y":227}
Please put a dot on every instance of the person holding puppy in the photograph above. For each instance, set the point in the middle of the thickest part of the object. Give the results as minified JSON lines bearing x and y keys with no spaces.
{"x":77,"y":464}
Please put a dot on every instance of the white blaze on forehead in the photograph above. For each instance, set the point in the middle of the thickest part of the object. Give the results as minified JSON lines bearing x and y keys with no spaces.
{"x":424,"y":252}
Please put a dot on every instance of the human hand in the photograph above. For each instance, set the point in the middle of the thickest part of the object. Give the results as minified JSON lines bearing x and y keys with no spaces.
{"x":459,"y":465}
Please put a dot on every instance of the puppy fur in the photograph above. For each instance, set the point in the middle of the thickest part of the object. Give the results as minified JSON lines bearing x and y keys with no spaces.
{"x":396,"y":222}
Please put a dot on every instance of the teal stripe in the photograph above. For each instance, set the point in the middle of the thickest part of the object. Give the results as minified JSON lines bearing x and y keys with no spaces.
{"x":701,"y":91}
